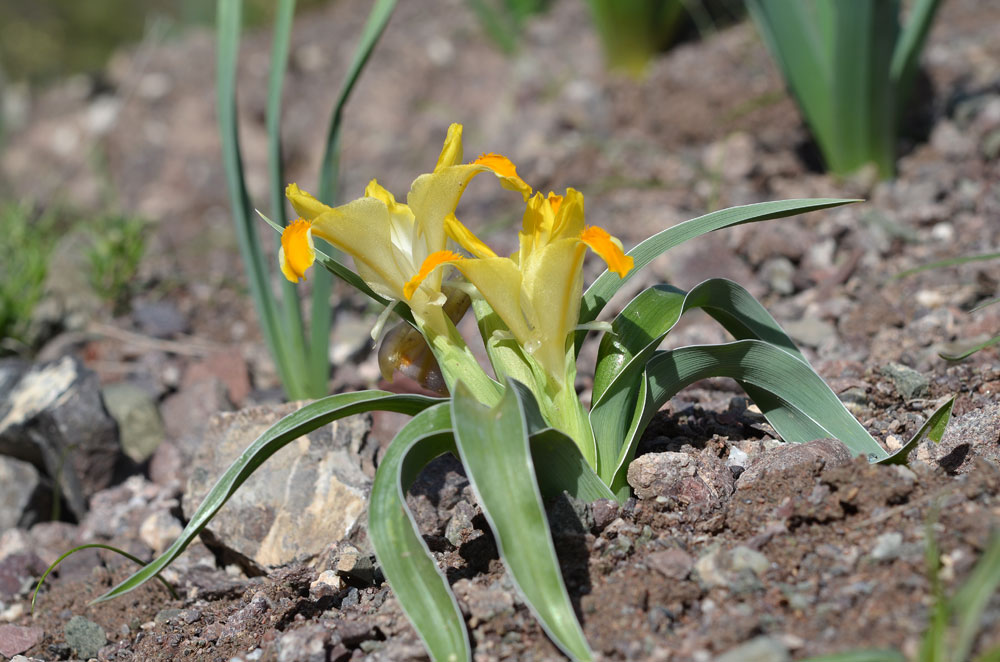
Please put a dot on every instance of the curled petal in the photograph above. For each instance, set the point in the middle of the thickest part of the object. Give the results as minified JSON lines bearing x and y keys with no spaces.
{"x":433,"y":261}
{"x":305,"y":205}
{"x":464,"y":237}
{"x":609,"y":248}
{"x":504,"y":168}
{"x":451,"y":153}
{"x":297,"y":253}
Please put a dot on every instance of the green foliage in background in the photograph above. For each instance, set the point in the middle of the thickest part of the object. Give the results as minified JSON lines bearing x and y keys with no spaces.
{"x":43,"y":39}
{"x":119,"y":242}
{"x":633,"y":31}
{"x":503,"y":20}
{"x":851,"y":66}
{"x":28,"y":237}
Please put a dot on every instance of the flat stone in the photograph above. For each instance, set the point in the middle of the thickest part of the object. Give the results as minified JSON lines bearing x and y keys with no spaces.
{"x":160,"y":319}
{"x":810,"y":331}
{"x":690,"y":479}
{"x":826,"y":452}
{"x":24,"y":498}
{"x":53,"y":417}
{"x":671,"y":563}
{"x":307,"y":496}
{"x":15,"y":639}
{"x":909,"y":383}
{"x":84,"y":637}
{"x":139,"y":425}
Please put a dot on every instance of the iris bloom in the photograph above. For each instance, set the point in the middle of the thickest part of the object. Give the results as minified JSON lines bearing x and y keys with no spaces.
{"x":536,"y":291}
{"x":390,"y":240}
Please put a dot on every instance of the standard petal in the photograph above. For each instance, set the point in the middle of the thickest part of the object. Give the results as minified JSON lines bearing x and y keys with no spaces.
{"x":451,"y":153}
{"x":553,"y":280}
{"x":305,"y":205}
{"x":499,"y":281}
{"x":362,"y":228}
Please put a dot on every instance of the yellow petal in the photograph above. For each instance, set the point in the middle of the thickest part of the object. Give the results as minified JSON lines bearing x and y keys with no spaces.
{"x":451,"y":153}
{"x":499,"y":281}
{"x":375,"y":190}
{"x":297,"y":253}
{"x":503,"y":168}
{"x":433,"y":261}
{"x":609,"y":248}
{"x":304,"y":204}
{"x":464,"y":237}
{"x":555,"y":200}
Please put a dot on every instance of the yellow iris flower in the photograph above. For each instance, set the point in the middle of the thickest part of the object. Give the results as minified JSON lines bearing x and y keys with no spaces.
{"x":389,"y":240}
{"x":536,"y":291}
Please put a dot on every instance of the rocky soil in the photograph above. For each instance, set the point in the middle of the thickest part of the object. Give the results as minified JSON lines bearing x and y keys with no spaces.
{"x":734,"y":547}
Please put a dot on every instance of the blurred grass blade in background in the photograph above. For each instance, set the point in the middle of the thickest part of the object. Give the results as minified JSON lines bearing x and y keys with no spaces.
{"x":302,"y":362}
{"x":851,"y":65}
{"x":633,"y":31}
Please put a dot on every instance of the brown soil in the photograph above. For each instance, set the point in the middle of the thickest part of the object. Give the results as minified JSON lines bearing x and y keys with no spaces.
{"x":837,"y":576}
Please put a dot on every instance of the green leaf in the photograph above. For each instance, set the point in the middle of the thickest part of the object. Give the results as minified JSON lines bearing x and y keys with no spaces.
{"x":321,"y":320}
{"x":564,"y":468}
{"x":950,"y":262}
{"x":310,"y":417}
{"x":635,"y":335}
{"x":906,"y":56}
{"x":94,"y":545}
{"x":932,"y":429}
{"x":493,"y":446}
{"x":419,"y":585}
{"x":602,"y":289}
{"x":771,"y":369}
{"x":287,"y":350}
{"x":969,"y":351}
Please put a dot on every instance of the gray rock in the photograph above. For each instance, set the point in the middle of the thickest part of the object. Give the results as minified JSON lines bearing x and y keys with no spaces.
{"x":978,"y":429}
{"x":15,"y":639}
{"x":186,"y":415}
{"x":84,"y":637}
{"x":460,"y":528}
{"x":887,"y":546}
{"x":604,"y":511}
{"x":53,"y":417}
{"x":909,"y":383}
{"x":159,"y":319}
{"x":829,"y":452}
{"x":671,"y":563}
{"x":308,"y":643}
{"x":24,"y":497}
{"x":733,"y":158}
{"x":811,"y":331}
{"x":352,"y":564}
{"x":309,"y":494}
{"x":738,"y":568}
{"x":690,"y":479}
{"x":777,"y":273}
{"x":139,"y":425}
{"x":759,"y":649}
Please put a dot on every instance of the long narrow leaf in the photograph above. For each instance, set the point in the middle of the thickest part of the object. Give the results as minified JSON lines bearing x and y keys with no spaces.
{"x":291,"y":311}
{"x":319,"y":331}
{"x":419,"y":585}
{"x":279,"y":435}
{"x":493,"y":445}
{"x":906,"y":56}
{"x":290,"y":365}
{"x":602,"y":289}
